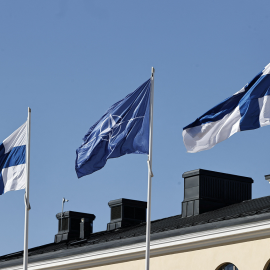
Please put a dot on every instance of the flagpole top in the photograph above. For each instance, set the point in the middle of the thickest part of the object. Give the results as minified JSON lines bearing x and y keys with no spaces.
{"x":29,"y":109}
{"x":152,"y":71}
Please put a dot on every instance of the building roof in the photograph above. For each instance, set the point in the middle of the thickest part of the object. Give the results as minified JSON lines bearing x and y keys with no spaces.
{"x":227,"y":216}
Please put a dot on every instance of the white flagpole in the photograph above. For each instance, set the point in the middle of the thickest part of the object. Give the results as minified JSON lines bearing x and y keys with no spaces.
{"x":150,"y":175}
{"x":27,"y":205}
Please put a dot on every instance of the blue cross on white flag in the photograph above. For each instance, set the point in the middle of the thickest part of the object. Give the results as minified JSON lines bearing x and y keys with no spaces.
{"x":12,"y":161}
{"x":123,"y":129}
{"x":247,"y":109}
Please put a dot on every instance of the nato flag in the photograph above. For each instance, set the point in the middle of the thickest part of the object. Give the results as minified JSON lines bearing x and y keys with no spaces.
{"x":123,"y":129}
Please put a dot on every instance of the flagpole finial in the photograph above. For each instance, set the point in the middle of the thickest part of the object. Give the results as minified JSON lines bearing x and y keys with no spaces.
{"x":153,"y":71}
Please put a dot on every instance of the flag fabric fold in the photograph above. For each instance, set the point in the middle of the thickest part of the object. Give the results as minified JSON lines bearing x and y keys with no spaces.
{"x":247,"y":109}
{"x":12,"y":161}
{"x":123,"y":129}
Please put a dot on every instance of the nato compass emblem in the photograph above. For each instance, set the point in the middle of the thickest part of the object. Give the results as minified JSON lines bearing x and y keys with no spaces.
{"x":110,"y":127}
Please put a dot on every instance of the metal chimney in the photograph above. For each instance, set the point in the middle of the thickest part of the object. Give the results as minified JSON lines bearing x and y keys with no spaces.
{"x":125,"y":212}
{"x":70,"y":228}
{"x":208,"y":190}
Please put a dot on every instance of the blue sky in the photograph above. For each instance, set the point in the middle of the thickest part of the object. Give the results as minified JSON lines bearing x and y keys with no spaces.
{"x":70,"y":60}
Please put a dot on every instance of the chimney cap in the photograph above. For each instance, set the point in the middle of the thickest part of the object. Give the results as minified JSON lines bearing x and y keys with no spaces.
{"x":219,"y":175}
{"x":127,"y":202}
{"x":73,"y":214}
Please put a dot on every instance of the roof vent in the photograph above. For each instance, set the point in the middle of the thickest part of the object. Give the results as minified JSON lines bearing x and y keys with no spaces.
{"x":207,"y":191}
{"x":74,"y":225}
{"x":126,"y":213}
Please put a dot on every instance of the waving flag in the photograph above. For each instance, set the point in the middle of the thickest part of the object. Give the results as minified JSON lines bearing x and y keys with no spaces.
{"x":247,"y":109}
{"x":12,"y":161}
{"x":123,"y":129}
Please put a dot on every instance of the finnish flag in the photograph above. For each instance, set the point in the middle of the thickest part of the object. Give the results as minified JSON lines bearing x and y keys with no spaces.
{"x":12,"y":161}
{"x":247,"y":109}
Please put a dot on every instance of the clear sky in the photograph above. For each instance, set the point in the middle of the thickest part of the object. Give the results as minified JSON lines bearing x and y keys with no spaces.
{"x":70,"y":60}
